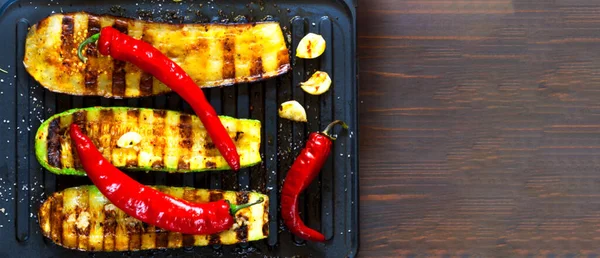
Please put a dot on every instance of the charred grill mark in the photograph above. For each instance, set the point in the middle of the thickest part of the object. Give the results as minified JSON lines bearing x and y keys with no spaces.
{"x":110,"y":227}
{"x":83,"y":233}
{"x":160,"y":113}
{"x":118,"y":78}
{"x":228,"y":58}
{"x":265,"y":218}
{"x":135,"y":242}
{"x":133,"y":115}
{"x":241,"y":197}
{"x":215,"y":196}
{"x":188,"y":241}
{"x":238,"y":136}
{"x":241,"y":232}
{"x":118,"y":75}
{"x":53,"y":144}
{"x":162,"y":239}
{"x":185,"y":139}
{"x":146,"y":84}
{"x":185,"y":131}
{"x":158,"y":131}
{"x":131,"y":163}
{"x":91,"y":73}
{"x":147,"y":228}
{"x":210,"y":164}
{"x":83,"y":241}
{"x":158,"y":164}
{"x":209,"y":146}
{"x":66,"y":36}
{"x":189,"y":194}
{"x":56,"y":218}
{"x":214,"y":239}
{"x":256,"y":70}
{"x":121,"y":26}
{"x":78,"y":236}
{"x":146,"y":79}
{"x":106,"y":115}
{"x":283,"y":60}
{"x":93,"y":28}
{"x":265,"y":229}
{"x":72,"y":228}
{"x":79,"y":118}
{"x":134,"y":230}
{"x":62,"y":140}
{"x":182,"y":165}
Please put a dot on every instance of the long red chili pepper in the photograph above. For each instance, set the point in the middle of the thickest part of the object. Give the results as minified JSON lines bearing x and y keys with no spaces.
{"x":125,"y":48}
{"x":303,"y":171}
{"x":148,"y":204}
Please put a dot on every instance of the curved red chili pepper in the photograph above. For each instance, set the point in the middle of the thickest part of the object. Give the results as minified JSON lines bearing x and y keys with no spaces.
{"x":307,"y":166}
{"x":125,"y":48}
{"x":148,"y":204}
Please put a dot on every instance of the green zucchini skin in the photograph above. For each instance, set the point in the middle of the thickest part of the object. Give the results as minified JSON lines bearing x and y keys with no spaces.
{"x":171,"y":141}
{"x":82,"y":218}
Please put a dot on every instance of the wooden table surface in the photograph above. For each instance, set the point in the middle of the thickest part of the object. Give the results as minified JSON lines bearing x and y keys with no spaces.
{"x":480,"y":128}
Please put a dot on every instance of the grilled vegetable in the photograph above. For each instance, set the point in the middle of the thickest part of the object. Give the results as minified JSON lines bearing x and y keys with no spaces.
{"x":307,"y":166}
{"x":170,"y":141}
{"x":212,"y":54}
{"x":292,"y":110}
{"x":82,"y":218}
{"x":148,"y":204}
{"x":318,"y":83}
{"x":311,"y":46}
{"x":125,"y":48}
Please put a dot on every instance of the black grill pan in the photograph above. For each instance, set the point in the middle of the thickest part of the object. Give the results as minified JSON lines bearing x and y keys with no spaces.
{"x":330,"y":204}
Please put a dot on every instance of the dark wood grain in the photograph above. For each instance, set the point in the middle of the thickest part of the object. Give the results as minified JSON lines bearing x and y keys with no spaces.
{"x":480,"y":128}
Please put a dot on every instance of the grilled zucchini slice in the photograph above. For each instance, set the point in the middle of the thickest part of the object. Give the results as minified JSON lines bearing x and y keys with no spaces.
{"x":82,"y":218}
{"x":170,"y":141}
{"x":212,"y":54}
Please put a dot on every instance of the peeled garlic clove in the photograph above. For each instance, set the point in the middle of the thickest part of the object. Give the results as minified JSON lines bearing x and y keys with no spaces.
{"x":292,"y":110}
{"x":311,"y":46}
{"x":318,"y":83}
{"x":129,"y":140}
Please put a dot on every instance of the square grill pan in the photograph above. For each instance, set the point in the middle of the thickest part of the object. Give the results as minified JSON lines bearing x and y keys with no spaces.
{"x":330,"y":203}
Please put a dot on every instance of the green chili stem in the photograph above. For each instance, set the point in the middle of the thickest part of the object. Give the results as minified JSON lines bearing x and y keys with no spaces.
{"x":330,"y":126}
{"x":86,"y":42}
{"x":235,"y":208}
